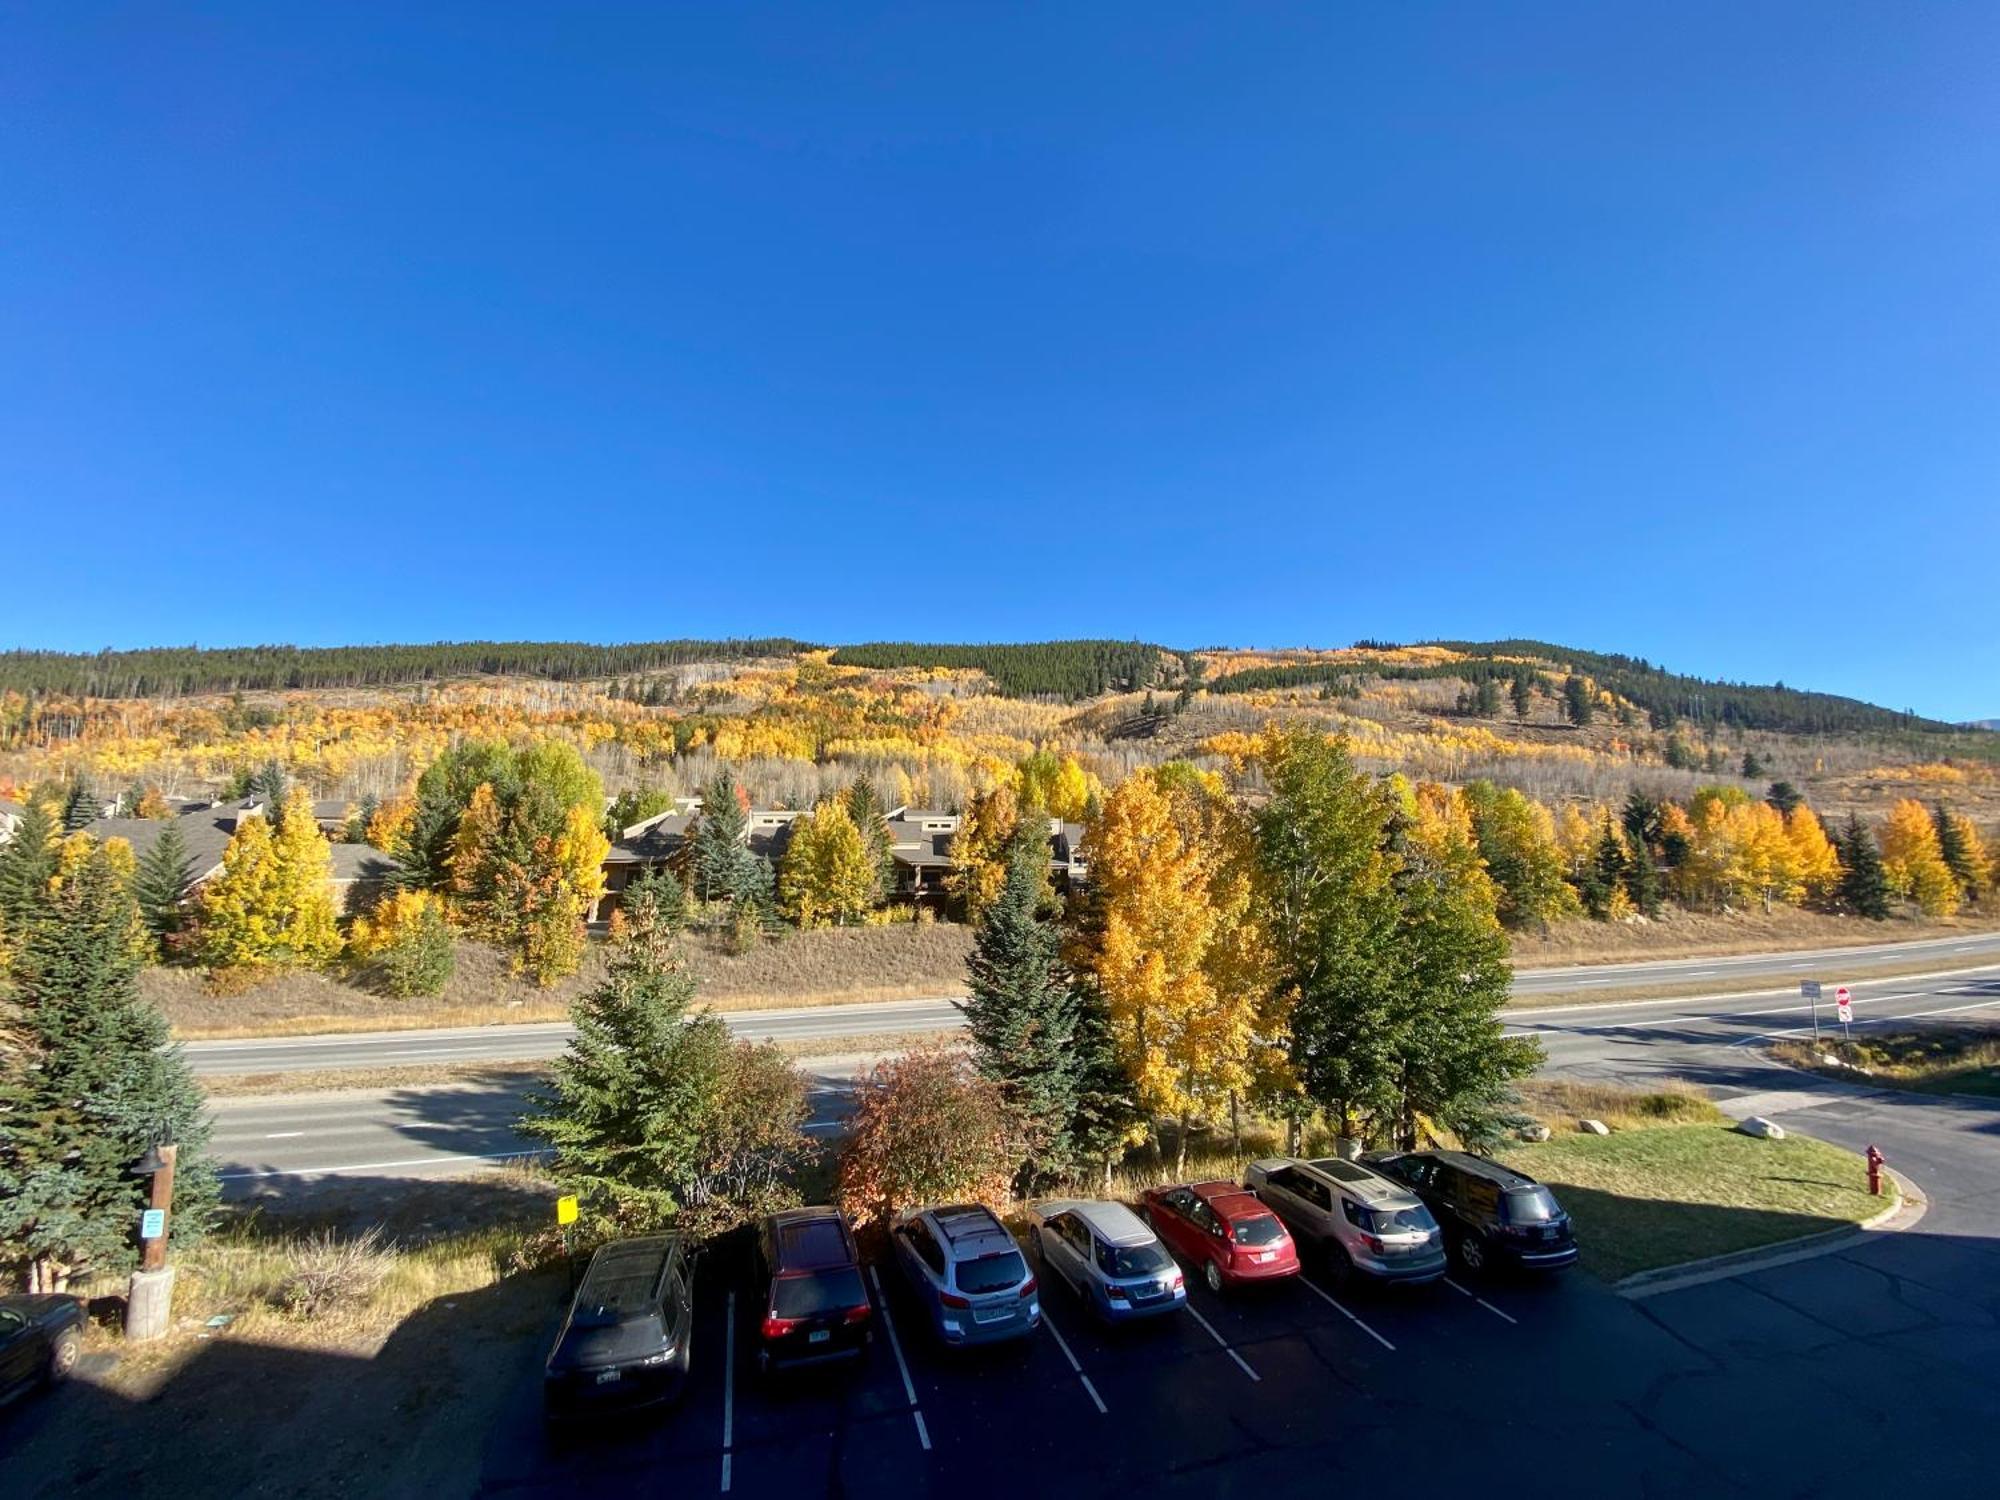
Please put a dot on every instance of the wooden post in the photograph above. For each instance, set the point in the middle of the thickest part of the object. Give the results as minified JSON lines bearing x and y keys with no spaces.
{"x":154,"y":1251}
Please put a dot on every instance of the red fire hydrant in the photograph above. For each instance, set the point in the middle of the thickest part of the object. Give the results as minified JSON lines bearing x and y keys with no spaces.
{"x":1875,"y":1170}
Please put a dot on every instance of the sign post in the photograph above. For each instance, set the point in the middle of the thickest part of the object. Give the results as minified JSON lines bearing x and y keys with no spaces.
{"x":1810,"y":989}
{"x":1843,"y":1002}
{"x":566,"y":1216}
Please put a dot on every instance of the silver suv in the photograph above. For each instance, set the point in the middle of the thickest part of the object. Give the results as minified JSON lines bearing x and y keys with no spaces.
{"x":969,"y":1274}
{"x":1358,"y":1219}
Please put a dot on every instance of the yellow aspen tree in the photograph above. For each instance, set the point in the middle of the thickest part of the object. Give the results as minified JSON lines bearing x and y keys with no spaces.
{"x":1913,"y":862}
{"x":1815,"y":861}
{"x":1057,"y":784}
{"x":305,"y":928}
{"x":474,"y":855}
{"x":979,"y":848}
{"x":390,"y":823}
{"x":1757,"y":857}
{"x":238,"y":906}
{"x":1180,"y":960}
{"x":1576,"y":841}
{"x":827,"y":871}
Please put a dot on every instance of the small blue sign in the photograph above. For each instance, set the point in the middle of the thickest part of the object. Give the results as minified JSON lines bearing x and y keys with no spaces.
{"x":152,"y":1223}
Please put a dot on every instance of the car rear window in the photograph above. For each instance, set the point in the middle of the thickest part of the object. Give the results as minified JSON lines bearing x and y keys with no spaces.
{"x":1529,"y":1205}
{"x":816,"y":1292}
{"x":1133,"y":1260}
{"x":1416,"y":1220}
{"x":1262,"y":1229}
{"x":992,"y":1273}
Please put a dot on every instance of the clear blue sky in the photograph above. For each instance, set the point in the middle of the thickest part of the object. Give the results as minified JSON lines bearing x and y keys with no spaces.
{"x":1672,"y":330}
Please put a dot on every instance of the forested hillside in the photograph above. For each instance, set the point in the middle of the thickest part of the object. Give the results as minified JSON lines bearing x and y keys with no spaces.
{"x":1069,"y":670}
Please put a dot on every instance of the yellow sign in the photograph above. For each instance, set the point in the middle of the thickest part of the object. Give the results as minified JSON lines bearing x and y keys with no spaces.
{"x":566,"y":1209}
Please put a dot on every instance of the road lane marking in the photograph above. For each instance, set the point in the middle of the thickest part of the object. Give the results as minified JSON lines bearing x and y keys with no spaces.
{"x":1241,"y":1363}
{"x":284,"y":1135}
{"x":1063,"y":1344}
{"x":1348,"y":1315}
{"x":1504,"y":1317}
{"x":896,"y":1344}
{"x":728,"y":1388}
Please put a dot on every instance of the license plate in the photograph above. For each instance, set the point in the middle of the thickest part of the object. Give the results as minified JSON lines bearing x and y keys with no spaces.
{"x":819,"y":1335}
{"x":990,"y":1314}
{"x":610,"y":1377}
{"x":1266,"y":1255}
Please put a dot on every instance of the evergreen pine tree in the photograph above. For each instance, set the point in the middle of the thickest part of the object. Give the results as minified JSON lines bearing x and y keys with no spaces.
{"x":717,"y":840}
{"x":1864,"y":886}
{"x":628,"y":1105}
{"x":1784,"y":797}
{"x":865,"y":807}
{"x":1576,"y":701}
{"x":161,"y":883}
{"x":1105,"y":1116}
{"x":1523,"y":695}
{"x":1608,"y":868}
{"x":268,"y":786}
{"x":89,"y":1080}
{"x":1643,"y":880}
{"x":1021,"y":1012}
{"x":1753,"y":767}
{"x":27,"y":862}
{"x":80,"y":809}
{"x":1957,"y":854}
{"x":1486,"y":698}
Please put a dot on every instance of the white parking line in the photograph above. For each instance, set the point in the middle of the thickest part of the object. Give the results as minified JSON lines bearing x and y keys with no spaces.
{"x":896,"y":1344}
{"x":1241,"y":1363}
{"x":1348,"y":1315}
{"x":1504,"y":1317}
{"x":728,"y":1388}
{"x":1063,"y":1344}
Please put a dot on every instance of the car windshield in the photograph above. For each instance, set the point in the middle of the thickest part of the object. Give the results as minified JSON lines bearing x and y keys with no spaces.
{"x":1132,"y":1260}
{"x":1416,"y":1220}
{"x":1261,"y":1230}
{"x":1530,"y":1205}
{"x":817,"y":1292}
{"x":992,"y":1273}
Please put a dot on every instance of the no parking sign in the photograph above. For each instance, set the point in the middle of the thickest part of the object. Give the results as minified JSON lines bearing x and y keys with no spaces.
{"x":1844,"y":1003}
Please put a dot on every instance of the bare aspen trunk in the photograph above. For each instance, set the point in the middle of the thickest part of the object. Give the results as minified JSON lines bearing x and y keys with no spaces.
{"x":1235,"y":1124}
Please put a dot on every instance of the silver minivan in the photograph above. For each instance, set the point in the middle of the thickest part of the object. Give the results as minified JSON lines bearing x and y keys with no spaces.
{"x":1359,"y":1220}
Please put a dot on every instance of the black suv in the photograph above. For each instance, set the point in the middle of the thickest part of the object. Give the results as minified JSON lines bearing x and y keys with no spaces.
{"x":41,"y":1335}
{"x":625,"y":1341}
{"x":809,"y":1276}
{"x":1492,"y":1215}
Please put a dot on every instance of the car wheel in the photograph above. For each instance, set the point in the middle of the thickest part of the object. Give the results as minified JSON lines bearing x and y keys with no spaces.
{"x":1212,"y":1274}
{"x":1339,"y":1264}
{"x":63,"y":1356}
{"x":1471,"y":1253}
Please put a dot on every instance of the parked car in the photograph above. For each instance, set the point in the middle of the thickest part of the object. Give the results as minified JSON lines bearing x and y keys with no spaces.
{"x":41,"y":1337}
{"x":1491,"y":1214}
{"x":968,"y":1273}
{"x":1359,"y":1220}
{"x":1224,"y":1231}
{"x":816,"y":1308}
{"x":1113,"y":1261}
{"x":625,"y":1342}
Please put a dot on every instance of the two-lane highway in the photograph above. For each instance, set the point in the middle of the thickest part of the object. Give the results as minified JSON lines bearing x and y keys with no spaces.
{"x":442,"y":1130}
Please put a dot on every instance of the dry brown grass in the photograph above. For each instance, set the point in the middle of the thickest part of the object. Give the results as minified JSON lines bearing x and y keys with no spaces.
{"x":1560,"y":1103}
{"x":1679,"y":934}
{"x":830,"y":966}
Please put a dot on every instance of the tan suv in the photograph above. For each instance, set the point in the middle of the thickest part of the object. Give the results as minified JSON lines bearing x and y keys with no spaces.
{"x":1360,"y":1221}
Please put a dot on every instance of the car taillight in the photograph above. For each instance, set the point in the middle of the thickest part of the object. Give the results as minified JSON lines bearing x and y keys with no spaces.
{"x":1115,"y":1292}
{"x":858,"y":1314}
{"x":776,"y":1327}
{"x":1028,"y":1290}
{"x":952,"y":1299}
{"x":1374,"y":1243}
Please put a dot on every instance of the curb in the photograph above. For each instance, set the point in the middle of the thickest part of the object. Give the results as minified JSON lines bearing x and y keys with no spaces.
{"x":1904,"y":1213}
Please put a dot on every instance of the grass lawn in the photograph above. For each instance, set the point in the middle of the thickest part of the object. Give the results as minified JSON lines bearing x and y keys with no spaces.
{"x":1657,"y":1197}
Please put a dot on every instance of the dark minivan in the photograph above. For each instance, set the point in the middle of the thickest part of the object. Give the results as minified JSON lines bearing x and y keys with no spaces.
{"x":625,"y":1342}
{"x":816,"y":1309}
{"x":1492,"y":1215}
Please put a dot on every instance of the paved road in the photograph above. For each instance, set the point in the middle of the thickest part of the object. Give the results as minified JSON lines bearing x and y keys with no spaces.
{"x":474,"y":1044}
{"x":270,"y":1142}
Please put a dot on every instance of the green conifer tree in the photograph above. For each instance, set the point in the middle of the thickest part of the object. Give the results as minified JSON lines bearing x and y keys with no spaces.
{"x":1577,"y":706}
{"x":716,"y":844}
{"x":161,"y":884}
{"x":1021,"y":1012}
{"x":1957,"y":855}
{"x":1864,"y":885}
{"x":27,"y":862}
{"x":80,"y":809}
{"x":628,"y":1105}
{"x":1522,"y":692}
{"x":89,"y":1079}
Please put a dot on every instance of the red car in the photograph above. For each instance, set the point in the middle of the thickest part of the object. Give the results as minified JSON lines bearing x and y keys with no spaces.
{"x":1225,"y":1232}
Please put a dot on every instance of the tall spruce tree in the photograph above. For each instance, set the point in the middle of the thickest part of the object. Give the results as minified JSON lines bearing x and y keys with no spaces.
{"x":1021,"y":1012}
{"x":1577,"y":706}
{"x":864,"y":806}
{"x":1956,"y":852}
{"x":27,"y":862}
{"x":81,"y":808}
{"x":269,"y":786}
{"x":1643,"y":881}
{"x":1522,"y":692}
{"x":1784,"y":797}
{"x":88,"y":1079}
{"x":1608,"y":869}
{"x":627,"y":1107}
{"x":716,"y":845}
{"x":160,"y":885}
{"x":1864,"y":885}
{"x":1105,"y":1117}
